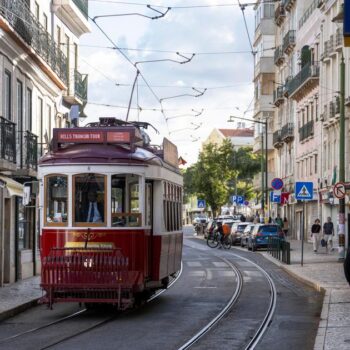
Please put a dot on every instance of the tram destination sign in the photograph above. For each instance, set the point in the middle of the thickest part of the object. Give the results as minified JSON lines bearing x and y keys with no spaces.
{"x":92,"y":135}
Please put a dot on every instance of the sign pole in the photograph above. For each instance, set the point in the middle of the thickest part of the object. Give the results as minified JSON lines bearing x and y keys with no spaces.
{"x":303,"y":234}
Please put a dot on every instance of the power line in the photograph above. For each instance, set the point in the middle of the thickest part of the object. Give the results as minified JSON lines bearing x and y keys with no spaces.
{"x":181,"y":7}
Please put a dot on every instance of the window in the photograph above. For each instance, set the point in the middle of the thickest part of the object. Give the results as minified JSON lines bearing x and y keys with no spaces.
{"x":125,"y":201}
{"x":45,"y":21}
{"x":56,"y":200}
{"x":89,"y":198}
{"x":40,"y":121}
{"x":8,"y":96}
{"x":58,"y":36}
{"x":19,"y":106}
{"x":172,"y":207}
{"x":315,"y":163}
{"x":48,"y":129}
{"x":29,"y":106}
{"x":36,"y":10}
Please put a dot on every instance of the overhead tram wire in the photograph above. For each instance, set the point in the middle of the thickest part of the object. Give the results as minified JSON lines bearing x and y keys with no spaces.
{"x":182,"y":7}
{"x":243,"y":6}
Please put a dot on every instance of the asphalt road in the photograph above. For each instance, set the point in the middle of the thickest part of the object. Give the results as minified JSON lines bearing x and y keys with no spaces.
{"x":204,"y":288}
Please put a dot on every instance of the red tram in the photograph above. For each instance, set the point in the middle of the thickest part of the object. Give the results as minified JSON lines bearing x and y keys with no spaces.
{"x":110,"y":213}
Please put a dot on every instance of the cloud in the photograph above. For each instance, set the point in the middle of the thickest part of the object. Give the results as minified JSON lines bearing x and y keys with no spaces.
{"x":184,"y":30}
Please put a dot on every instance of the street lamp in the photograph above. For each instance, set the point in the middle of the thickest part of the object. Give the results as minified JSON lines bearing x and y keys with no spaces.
{"x":264,"y":169}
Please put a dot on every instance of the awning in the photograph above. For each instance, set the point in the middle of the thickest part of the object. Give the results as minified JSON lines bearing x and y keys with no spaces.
{"x":14,"y":188}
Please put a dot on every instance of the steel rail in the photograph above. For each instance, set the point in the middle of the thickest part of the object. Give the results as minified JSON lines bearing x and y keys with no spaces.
{"x":223,"y":312}
{"x":78,"y":313}
{"x":271,"y":310}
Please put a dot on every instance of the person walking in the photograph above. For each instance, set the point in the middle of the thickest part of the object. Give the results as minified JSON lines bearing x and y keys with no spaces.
{"x":285,"y":227}
{"x":328,"y":232}
{"x":279,"y":221}
{"x":315,"y":234}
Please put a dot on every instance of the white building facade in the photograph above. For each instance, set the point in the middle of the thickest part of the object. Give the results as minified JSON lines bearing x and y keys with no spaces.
{"x":40,"y":82}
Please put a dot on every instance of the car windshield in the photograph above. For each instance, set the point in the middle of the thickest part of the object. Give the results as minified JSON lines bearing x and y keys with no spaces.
{"x":268,"y":229}
{"x":241,"y":227}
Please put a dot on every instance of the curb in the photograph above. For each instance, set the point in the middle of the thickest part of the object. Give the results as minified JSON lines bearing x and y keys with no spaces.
{"x":18,"y":309}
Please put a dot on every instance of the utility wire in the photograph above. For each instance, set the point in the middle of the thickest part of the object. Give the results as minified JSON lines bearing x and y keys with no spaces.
{"x":182,"y":7}
{"x":243,"y":6}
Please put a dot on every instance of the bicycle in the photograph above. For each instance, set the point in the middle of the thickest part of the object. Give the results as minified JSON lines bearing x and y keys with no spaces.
{"x":215,"y":239}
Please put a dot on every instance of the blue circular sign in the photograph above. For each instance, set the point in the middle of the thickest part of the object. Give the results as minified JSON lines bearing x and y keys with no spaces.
{"x":277,"y":183}
{"x":246,"y":203}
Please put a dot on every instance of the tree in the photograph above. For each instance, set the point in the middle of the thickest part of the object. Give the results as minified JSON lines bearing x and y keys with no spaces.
{"x":219,"y":168}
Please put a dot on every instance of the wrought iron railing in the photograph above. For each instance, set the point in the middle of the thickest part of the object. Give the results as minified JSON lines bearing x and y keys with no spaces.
{"x":288,"y":4}
{"x":289,"y":40}
{"x":7,"y":140}
{"x":314,"y":5}
{"x":339,"y":38}
{"x":308,"y":71}
{"x":278,"y":95}
{"x":277,"y":139}
{"x":278,"y":55}
{"x":30,"y":151}
{"x":80,"y":85}
{"x":83,"y":6}
{"x":34,"y":34}
{"x":287,"y":132}
{"x":306,"y":130}
{"x":280,"y":14}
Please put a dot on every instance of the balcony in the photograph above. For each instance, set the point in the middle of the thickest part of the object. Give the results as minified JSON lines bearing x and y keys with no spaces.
{"x":7,"y":145}
{"x":288,"y":4}
{"x":75,"y":13}
{"x":278,"y":56}
{"x":280,"y":14}
{"x":28,"y":28}
{"x":287,"y":132}
{"x":309,"y":11}
{"x":277,"y":139}
{"x":306,"y":80}
{"x":77,"y":88}
{"x":325,"y":55}
{"x":27,"y":150}
{"x":278,"y":96}
{"x":257,"y":147}
{"x":265,"y":65}
{"x":306,"y":131}
{"x":286,"y":86}
{"x":339,"y":40}
{"x":289,"y":42}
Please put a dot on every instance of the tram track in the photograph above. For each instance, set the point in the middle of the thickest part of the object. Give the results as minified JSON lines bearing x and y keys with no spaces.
{"x":8,"y":340}
{"x":264,"y":325}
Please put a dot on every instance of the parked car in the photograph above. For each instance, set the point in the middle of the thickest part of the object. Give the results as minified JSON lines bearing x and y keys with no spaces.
{"x":225,"y":217}
{"x":200,"y":219}
{"x":237,"y":231}
{"x":261,"y":233}
{"x":247,"y":231}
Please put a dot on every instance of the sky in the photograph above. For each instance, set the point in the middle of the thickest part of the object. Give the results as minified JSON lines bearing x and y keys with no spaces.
{"x":195,"y":97}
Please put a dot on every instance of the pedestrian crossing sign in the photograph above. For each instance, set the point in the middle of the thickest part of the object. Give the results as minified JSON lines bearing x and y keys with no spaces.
{"x":304,"y":190}
{"x":201,"y":203}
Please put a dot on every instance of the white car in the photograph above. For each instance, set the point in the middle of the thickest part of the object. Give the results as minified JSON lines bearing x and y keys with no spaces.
{"x":200,"y":219}
{"x":237,"y":231}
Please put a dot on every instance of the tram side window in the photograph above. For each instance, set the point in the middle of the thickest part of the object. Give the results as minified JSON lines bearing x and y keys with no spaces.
{"x":172,"y":207}
{"x":89,"y":199}
{"x":125,"y":202}
{"x":56,"y":195}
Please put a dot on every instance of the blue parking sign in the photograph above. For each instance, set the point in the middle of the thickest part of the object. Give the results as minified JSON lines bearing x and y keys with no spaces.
{"x":201,"y":203}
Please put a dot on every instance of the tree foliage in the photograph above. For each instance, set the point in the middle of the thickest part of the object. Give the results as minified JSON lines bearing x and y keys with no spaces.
{"x":217,"y":170}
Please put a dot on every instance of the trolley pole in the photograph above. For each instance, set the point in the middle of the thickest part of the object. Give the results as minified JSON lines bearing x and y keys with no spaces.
{"x":341,"y":215}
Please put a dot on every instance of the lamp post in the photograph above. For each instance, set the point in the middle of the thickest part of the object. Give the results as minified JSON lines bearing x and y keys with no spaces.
{"x":264,"y":167}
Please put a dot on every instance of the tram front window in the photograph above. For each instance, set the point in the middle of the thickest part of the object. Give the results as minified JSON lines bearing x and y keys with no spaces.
{"x":56,"y":200}
{"x":125,"y":201}
{"x":89,"y":199}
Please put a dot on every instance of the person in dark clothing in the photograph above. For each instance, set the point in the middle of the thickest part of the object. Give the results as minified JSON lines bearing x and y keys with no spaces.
{"x":328,"y":232}
{"x":242,"y":218}
{"x":315,"y":234}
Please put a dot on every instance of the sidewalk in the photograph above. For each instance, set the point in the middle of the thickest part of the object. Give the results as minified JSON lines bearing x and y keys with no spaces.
{"x":324,"y":272}
{"x":19,"y":296}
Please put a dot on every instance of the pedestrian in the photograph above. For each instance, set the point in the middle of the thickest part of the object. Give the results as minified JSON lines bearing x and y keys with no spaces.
{"x":285,"y":226}
{"x":270,"y":219}
{"x":328,"y":233}
{"x":279,"y":221}
{"x":315,"y":234}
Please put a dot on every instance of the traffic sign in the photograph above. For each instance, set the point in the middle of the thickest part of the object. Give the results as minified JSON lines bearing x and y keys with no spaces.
{"x":339,"y":190}
{"x":237,"y":199}
{"x":277,"y":183}
{"x":304,"y":191}
{"x":284,"y":198}
{"x":201,"y":203}
{"x":275,"y":196}
{"x":246,"y":203}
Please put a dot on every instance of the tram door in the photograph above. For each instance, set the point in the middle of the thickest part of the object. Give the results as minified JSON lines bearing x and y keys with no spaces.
{"x":149,"y":220}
